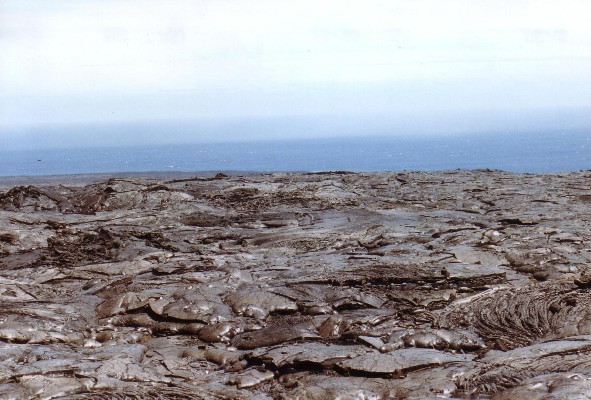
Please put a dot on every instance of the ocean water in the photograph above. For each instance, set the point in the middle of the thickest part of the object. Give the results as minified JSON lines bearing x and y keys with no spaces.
{"x":535,"y":152}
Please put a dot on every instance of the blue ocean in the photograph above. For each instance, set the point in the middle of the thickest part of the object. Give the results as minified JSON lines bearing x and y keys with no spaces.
{"x":535,"y":152}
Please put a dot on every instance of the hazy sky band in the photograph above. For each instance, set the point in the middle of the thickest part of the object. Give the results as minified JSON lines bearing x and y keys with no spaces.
{"x":107,"y":61}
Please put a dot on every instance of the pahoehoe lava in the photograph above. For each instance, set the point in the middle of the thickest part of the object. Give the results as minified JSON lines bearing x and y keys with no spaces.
{"x":402,"y":285}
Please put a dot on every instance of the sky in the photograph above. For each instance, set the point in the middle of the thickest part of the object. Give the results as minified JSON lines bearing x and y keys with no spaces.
{"x":403,"y":64}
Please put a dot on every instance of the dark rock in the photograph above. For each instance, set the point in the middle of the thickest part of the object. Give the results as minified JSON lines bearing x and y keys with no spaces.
{"x":458,"y":284}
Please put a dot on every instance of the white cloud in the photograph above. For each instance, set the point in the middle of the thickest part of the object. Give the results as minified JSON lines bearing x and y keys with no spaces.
{"x":85,"y":55}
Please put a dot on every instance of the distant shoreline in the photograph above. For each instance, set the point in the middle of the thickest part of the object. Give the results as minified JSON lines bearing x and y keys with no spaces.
{"x":88,"y":178}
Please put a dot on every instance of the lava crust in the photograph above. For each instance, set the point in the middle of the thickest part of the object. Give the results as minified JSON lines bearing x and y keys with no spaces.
{"x":459,"y":284}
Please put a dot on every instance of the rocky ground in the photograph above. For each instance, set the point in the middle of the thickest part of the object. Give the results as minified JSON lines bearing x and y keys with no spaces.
{"x":462,"y":284}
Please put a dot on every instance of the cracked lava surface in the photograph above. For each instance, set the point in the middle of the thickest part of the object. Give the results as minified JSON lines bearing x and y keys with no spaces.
{"x":460,"y":284}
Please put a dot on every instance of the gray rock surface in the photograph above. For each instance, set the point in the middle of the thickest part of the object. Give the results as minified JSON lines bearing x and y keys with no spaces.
{"x":459,"y":284}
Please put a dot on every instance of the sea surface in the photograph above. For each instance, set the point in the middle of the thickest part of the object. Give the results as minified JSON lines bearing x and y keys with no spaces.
{"x":533,"y":152}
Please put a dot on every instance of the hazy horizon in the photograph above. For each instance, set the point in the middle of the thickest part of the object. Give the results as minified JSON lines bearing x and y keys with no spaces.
{"x":330,"y":68}
{"x":112,"y":134}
